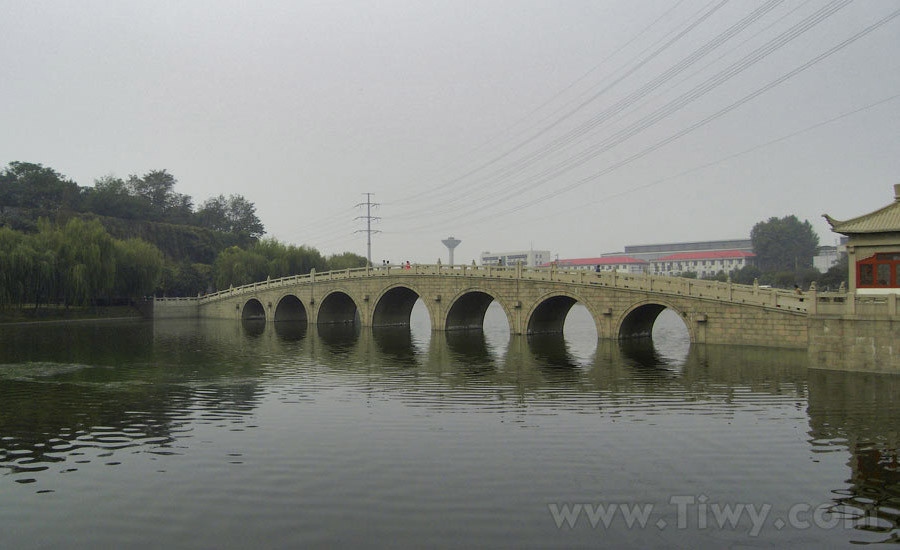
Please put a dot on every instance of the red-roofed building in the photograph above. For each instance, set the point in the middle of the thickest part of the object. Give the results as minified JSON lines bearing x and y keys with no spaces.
{"x":606,"y":263}
{"x":704,"y":264}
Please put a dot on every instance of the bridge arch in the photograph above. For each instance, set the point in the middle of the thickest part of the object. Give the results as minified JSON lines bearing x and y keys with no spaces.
{"x":338,"y":306}
{"x":466,"y":310}
{"x":290,"y":308}
{"x":637,"y":321}
{"x":253,"y":310}
{"x":548,"y":313}
{"x":394,"y":305}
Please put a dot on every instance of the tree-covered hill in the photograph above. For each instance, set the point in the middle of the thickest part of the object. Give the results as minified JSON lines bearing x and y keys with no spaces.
{"x":198,"y":249}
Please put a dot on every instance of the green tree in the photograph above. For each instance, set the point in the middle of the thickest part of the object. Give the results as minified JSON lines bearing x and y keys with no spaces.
{"x":213,"y":214}
{"x":86,"y":261}
{"x":236,"y":267}
{"x":138,"y":268}
{"x":157,"y":186}
{"x":232,"y":215}
{"x":721,"y":276}
{"x":346,"y":260}
{"x":806,"y":276}
{"x":29,"y":185}
{"x":185,"y":279}
{"x":746,"y":275}
{"x":111,"y":196}
{"x":837,"y":274}
{"x":784,"y":244}
{"x":242,"y":217}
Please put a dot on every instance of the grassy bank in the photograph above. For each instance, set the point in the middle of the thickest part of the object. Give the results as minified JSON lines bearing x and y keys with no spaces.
{"x":59,"y":313}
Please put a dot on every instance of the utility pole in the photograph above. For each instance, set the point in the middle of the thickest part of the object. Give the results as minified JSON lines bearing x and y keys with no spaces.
{"x":368,"y":230}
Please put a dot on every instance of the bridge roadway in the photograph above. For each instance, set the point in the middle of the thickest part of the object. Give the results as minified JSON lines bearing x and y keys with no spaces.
{"x":535,"y":300}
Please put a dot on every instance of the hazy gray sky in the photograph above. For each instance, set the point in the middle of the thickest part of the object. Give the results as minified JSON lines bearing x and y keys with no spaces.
{"x":504,"y":123}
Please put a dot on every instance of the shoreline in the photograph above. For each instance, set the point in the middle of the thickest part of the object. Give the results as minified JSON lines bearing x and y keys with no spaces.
{"x":76,"y":315}
{"x":85,"y":320}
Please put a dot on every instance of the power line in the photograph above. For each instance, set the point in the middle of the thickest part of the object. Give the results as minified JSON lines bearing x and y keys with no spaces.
{"x":570,"y":137}
{"x":705,"y":120}
{"x":516,"y":188}
{"x":442,"y":186}
{"x":723,"y":159}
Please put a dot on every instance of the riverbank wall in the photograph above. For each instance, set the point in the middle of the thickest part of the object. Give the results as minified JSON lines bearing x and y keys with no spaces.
{"x":868,"y":343}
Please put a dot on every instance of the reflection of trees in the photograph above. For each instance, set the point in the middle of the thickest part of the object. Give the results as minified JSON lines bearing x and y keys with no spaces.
{"x":862,"y":410}
{"x":93,"y":389}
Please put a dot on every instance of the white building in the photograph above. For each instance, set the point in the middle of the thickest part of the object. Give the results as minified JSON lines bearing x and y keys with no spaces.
{"x":828,"y":256}
{"x":531,"y":258}
{"x":622,"y":264}
{"x":704,"y":264}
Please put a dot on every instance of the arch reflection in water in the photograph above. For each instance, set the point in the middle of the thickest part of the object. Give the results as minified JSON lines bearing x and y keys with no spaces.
{"x":551,"y":355}
{"x":397,"y":346}
{"x":660,"y":339}
{"x":469,"y":352}
{"x":253,"y":327}
{"x":338,"y":339}
{"x":291,"y":331}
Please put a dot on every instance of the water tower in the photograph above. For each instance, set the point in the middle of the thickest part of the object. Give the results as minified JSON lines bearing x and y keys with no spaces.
{"x":451,"y":243}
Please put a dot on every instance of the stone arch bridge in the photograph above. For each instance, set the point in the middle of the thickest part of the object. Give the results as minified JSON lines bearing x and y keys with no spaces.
{"x":535,"y":300}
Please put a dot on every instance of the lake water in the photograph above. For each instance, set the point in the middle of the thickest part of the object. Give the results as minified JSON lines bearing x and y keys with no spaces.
{"x":216,"y":434}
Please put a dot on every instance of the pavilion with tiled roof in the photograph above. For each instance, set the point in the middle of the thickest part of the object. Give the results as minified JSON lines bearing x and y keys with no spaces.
{"x":873,"y":248}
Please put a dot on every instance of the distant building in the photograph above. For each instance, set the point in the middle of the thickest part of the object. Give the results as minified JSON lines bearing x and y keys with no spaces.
{"x":650,"y":252}
{"x":531,"y":258}
{"x":623,"y":264}
{"x":828,"y":256}
{"x":704,"y":264}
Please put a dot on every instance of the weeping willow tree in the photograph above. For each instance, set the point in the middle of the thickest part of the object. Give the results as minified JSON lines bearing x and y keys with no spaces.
{"x":75,"y":264}
{"x":269,"y":258}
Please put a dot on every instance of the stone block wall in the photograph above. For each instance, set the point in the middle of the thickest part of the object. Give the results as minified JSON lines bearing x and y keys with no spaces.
{"x":176,"y":308}
{"x":855,"y":343}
